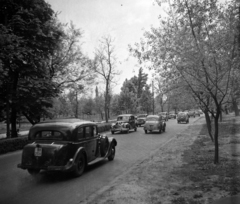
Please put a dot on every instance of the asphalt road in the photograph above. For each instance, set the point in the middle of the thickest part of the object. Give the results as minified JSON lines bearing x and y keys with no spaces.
{"x":17,"y":186}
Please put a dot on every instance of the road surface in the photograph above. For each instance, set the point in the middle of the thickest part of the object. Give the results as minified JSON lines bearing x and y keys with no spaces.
{"x":17,"y":186}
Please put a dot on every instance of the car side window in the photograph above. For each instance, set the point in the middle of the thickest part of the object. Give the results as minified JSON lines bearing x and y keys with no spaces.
{"x":88,"y":131}
{"x":80,"y":133}
{"x":94,"y":129}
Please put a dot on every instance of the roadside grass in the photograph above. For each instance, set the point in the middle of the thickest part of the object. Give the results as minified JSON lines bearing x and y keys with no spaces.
{"x":205,"y":177}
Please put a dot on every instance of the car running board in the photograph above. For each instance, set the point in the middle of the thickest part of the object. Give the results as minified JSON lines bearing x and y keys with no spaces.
{"x":97,"y":160}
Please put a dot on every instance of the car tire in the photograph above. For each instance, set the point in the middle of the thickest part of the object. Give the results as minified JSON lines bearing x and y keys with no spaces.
{"x":80,"y":165}
{"x":160,"y":130}
{"x":33,"y":171}
{"x":112,"y":132}
{"x":145,"y":131}
{"x":135,"y":129}
{"x":112,"y":153}
{"x":104,"y":144}
{"x":127,"y":131}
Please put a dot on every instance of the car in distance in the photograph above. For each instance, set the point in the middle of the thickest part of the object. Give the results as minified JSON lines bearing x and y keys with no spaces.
{"x":172,"y":115}
{"x":191,"y":113}
{"x":182,"y":117}
{"x":141,"y":119}
{"x":164,"y":115}
{"x":66,"y":146}
{"x":154,"y":123}
{"x":198,"y":113}
{"x":124,"y":123}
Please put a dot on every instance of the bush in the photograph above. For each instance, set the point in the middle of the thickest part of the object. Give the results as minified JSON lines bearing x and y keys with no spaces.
{"x":12,"y":144}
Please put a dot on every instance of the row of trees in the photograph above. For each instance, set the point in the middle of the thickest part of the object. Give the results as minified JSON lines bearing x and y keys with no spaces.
{"x":41,"y":58}
{"x":196,"y":49}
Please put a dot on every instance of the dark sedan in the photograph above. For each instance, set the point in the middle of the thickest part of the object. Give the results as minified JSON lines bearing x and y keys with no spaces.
{"x":67,"y":146}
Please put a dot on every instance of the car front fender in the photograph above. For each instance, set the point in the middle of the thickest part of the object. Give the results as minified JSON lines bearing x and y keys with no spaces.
{"x":112,"y":141}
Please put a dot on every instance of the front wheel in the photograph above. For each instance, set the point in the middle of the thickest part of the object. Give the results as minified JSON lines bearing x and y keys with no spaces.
{"x":135,"y":129}
{"x":145,"y":131}
{"x":80,"y":165}
{"x":112,"y":153}
{"x":112,"y":132}
{"x":33,"y":171}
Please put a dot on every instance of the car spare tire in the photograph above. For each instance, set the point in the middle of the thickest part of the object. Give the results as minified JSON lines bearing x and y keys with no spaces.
{"x":104,"y":144}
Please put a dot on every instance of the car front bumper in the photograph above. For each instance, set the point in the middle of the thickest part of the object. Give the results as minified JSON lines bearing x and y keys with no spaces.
{"x":119,"y":129}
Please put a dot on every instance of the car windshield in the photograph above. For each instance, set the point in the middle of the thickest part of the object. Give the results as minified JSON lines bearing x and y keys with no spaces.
{"x":48,"y":134}
{"x":142,"y":116}
{"x":163,"y":113}
{"x":181,"y":114}
{"x":123,"y":118}
{"x":152,"y":119}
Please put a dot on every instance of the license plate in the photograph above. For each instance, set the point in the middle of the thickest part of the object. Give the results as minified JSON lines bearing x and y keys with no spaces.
{"x":38,"y":152}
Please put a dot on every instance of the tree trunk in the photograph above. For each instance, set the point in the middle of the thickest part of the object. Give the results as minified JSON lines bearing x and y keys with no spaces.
{"x":13,"y":122}
{"x":220,"y":116}
{"x":13,"y":118}
{"x":76,"y":113}
{"x":235,"y":107}
{"x":216,"y":155}
{"x":8,"y":119}
{"x":209,"y":124}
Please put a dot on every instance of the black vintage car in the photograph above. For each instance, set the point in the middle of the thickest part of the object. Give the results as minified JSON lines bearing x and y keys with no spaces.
{"x":67,"y":146}
{"x":124,"y":123}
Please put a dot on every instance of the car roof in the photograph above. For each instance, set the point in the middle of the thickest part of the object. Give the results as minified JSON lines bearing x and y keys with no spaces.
{"x":153,"y":116}
{"x":126,"y":115}
{"x":140,"y":115}
{"x":66,"y":123}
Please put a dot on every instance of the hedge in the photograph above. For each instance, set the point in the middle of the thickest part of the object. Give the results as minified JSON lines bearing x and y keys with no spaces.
{"x":13,"y":144}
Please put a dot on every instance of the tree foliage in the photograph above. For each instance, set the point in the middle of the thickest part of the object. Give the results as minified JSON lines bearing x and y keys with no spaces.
{"x":196,"y":47}
{"x":28,"y":37}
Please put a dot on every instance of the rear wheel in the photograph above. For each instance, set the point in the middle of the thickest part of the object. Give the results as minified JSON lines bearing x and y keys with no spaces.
{"x":33,"y":171}
{"x":135,"y":129}
{"x":112,"y":153}
{"x":80,"y":165}
{"x":145,"y":131}
{"x":112,"y":132}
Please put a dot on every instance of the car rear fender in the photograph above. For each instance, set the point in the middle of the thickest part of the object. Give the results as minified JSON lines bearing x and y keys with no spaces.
{"x":80,"y":150}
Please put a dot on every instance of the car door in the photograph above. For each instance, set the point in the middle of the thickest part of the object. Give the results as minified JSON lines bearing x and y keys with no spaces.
{"x":91,"y":142}
{"x":132,"y":122}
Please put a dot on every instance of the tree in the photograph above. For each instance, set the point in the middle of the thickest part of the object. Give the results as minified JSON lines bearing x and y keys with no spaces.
{"x":196,"y":41}
{"x":28,"y":37}
{"x":146,"y":100}
{"x":128,"y":98}
{"x":105,"y":66}
{"x":99,"y":103}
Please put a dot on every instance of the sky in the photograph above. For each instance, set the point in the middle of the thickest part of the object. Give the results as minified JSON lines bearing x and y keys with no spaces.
{"x":124,"y":20}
